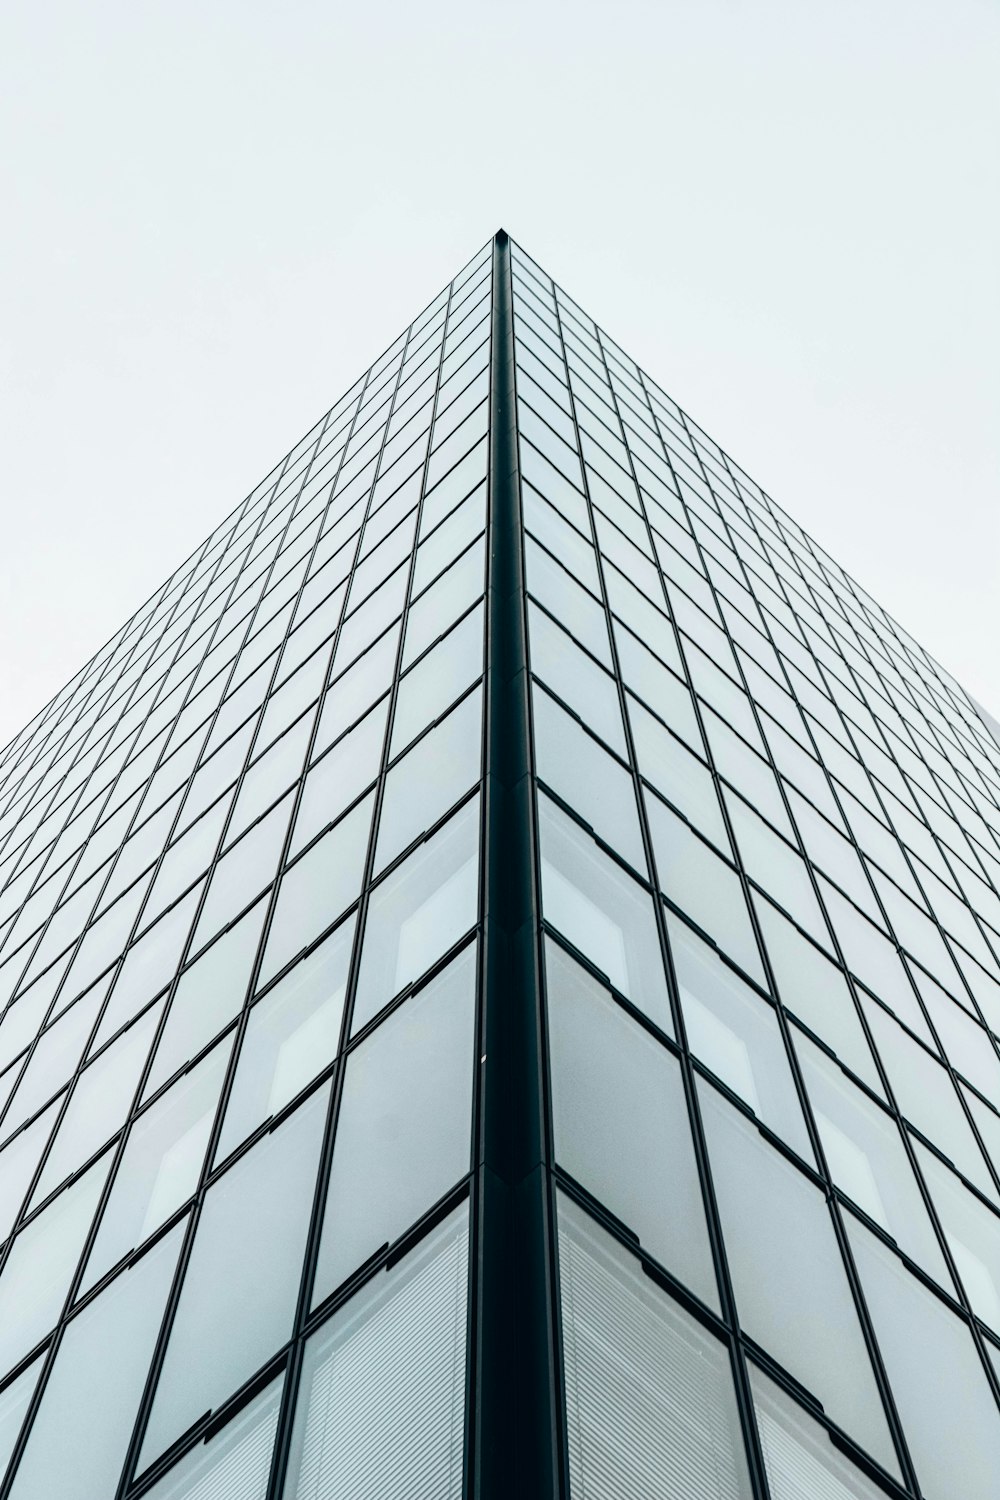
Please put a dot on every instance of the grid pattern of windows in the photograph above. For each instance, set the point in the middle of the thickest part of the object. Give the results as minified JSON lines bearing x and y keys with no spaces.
{"x":769,"y":849}
{"x":239,"y":915}
{"x":249,"y":1071}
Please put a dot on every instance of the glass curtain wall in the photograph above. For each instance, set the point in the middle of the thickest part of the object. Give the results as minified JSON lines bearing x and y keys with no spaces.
{"x":241,"y":940}
{"x":238,"y":973}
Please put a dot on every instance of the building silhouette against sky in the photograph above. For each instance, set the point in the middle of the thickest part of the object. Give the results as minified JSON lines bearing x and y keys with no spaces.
{"x":499,"y":966}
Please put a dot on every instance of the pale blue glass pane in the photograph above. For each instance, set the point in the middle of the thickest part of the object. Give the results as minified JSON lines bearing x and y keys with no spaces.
{"x":265,"y":1201}
{"x":604,"y":913}
{"x":792,"y":1292}
{"x":405,"y":1122}
{"x":418,"y":911}
{"x":614,"y":1087}
{"x":78,"y":1439}
{"x":430,"y":778}
{"x":316,"y":889}
{"x":41,"y":1263}
{"x":381,"y":1408}
{"x":13,"y":1405}
{"x":234,"y":1463}
{"x":209,"y":994}
{"x":161,"y":1164}
{"x":292,"y":1034}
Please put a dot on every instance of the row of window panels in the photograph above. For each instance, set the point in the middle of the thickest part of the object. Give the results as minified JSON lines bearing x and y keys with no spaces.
{"x":692,"y":580}
{"x":317,"y":477}
{"x":642,"y":395}
{"x":441,"y":538}
{"x":616,"y":931}
{"x":278,"y":481}
{"x":421,"y":910}
{"x":777,"y":702}
{"x":335,"y":781}
{"x":552,"y":378}
{"x":422,"y":783}
{"x":427,"y":563}
{"x":618,"y":1104}
{"x":452,"y":415}
{"x":613,"y":1086}
{"x":591,"y":693}
{"x":330,"y":584}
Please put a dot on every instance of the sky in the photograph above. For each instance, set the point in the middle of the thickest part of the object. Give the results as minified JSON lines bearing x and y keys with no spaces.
{"x":216,"y":216}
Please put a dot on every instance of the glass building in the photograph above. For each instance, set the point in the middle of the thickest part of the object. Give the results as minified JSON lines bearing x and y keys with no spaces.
{"x":500,"y":982}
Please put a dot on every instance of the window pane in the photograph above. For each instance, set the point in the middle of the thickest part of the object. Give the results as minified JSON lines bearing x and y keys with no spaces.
{"x":315,"y":890}
{"x":235,"y":1463}
{"x":99,"y":1104}
{"x":736,"y":1034}
{"x":603,"y":912}
{"x":867,"y":1160}
{"x":382,"y":1402}
{"x":245,"y":870}
{"x":41,"y":1265}
{"x":576,"y":677}
{"x":209,"y":994}
{"x":950,"y":1419}
{"x":650,"y":1408}
{"x":792,"y":1292}
{"x":621,"y":1122}
{"x":817,"y":992}
{"x":436,"y":681}
{"x":78,"y":1439}
{"x":799,"y":1456}
{"x":582,"y":773}
{"x":263,"y":1201}
{"x":335,"y":781}
{"x":405,"y":1123}
{"x":682,"y":778}
{"x":418,"y":911}
{"x":292,"y":1033}
{"x":161,"y":1164}
{"x":13,"y":1405}
{"x":430,"y":778}
{"x":692,"y":875}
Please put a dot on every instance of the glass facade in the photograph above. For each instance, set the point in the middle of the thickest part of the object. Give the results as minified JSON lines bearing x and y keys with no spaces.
{"x":500,"y":981}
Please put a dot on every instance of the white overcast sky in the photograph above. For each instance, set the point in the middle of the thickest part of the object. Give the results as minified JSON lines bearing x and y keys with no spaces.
{"x":215,"y":216}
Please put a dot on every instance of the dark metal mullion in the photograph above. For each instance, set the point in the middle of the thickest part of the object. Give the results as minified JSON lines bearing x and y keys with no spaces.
{"x":301,"y":1324}
{"x":713,"y":1221}
{"x":893,"y":1420}
{"x":516,"y":1442}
